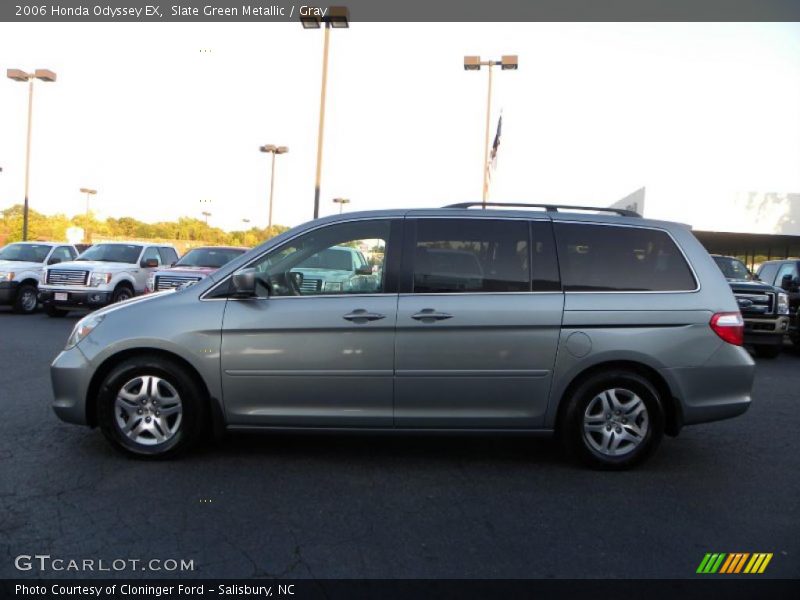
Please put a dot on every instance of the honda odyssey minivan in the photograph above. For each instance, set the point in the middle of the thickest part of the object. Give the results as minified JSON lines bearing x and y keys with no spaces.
{"x":599,"y":326}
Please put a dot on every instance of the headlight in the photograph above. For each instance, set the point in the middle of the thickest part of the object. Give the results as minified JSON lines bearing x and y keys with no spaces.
{"x":6,"y":276}
{"x":99,"y":279}
{"x":783,"y":304}
{"x":83,"y":328}
{"x":332,"y":286}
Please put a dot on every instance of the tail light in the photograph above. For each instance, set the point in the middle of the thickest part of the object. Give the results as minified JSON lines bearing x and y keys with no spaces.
{"x":729,"y":326}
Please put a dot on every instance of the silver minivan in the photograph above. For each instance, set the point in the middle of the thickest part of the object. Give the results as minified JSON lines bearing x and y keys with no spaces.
{"x":597,"y":325}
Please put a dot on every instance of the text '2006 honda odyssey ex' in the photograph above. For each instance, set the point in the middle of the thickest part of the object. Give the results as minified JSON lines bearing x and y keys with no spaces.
{"x":608,"y":330}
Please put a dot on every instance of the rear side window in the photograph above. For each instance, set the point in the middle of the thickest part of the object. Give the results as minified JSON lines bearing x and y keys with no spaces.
{"x":471,"y":255}
{"x":608,"y":258}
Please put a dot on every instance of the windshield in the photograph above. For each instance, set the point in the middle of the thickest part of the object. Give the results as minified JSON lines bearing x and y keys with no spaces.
{"x":25,"y":252}
{"x":209,"y":257}
{"x":733,"y":268}
{"x":333,"y":259}
{"x":122,"y":253}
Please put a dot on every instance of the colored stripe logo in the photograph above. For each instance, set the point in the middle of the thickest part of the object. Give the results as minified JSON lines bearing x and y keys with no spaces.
{"x":734,"y":563}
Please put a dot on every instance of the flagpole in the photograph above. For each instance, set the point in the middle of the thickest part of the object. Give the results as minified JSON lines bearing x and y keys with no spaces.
{"x":486,"y":142}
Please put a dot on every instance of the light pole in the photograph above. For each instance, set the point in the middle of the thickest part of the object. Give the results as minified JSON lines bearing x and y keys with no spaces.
{"x":89,"y":193}
{"x":341,"y":202}
{"x":21,"y":76}
{"x":507,"y":62}
{"x":337,"y":17}
{"x":272,"y":149}
{"x":206,"y":214}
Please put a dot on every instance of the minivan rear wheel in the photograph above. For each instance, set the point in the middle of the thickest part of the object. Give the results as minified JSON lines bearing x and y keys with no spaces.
{"x":150,"y":407}
{"x":614,"y":420}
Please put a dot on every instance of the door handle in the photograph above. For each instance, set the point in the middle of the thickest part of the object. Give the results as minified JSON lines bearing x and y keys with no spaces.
{"x":361,"y":315}
{"x":428,"y":315}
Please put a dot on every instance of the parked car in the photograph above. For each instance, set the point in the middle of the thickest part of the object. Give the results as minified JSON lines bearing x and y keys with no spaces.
{"x":105,"y":273}
{"x":608,"y":330}
{"x":336,"y":270}
{"x":786,"y":275}
{"x":193,"y":266}
{"x":764,"y":307}
{"x":21,"y":266}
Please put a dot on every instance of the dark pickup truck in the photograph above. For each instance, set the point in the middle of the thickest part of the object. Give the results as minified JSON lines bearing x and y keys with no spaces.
{"x":764,"y":308}
{"x":786,"y":275}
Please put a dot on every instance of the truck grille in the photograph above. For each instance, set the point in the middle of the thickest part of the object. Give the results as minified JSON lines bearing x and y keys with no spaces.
{"x":65,"y":277}
{"x":168,"y":282}
{"x":756,"y":304}
{"x":311,"y":286}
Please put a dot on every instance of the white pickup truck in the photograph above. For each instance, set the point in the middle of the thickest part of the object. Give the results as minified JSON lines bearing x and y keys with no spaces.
{"x":105,"y":273}
{"x":21,"y":267}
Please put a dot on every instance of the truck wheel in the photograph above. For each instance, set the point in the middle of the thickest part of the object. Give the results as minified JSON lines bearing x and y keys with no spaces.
{"x":614,"y":420}
{"x":26,"y":301}
{"x":122,"y":293}
{"x":52,"y":311}
{"x":151,"y":407}
{"x":767,"y":351}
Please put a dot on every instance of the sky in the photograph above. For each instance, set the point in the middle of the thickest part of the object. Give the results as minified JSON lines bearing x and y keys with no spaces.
{"x":161,"y":117}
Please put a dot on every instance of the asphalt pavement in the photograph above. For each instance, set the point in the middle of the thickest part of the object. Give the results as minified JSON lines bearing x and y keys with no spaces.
{"x":354,"y":506}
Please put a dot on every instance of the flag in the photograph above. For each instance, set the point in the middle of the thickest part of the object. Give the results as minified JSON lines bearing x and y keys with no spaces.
{"x":496,"y":143}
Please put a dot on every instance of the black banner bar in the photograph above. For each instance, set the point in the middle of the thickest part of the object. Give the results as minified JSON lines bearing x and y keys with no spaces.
{"x":730,"y":588}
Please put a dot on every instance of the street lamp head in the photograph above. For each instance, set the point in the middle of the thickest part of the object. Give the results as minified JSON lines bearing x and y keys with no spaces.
{"x":342,"y":200}
{"x":45,"y":75}
{"x":88,"y":191}
{"x":310,"y":18}
{"x":267,"y":148}
{"x":472,"y":63}
{"x":17,"y":75}
{"x":282,"y":150}
{"x":509,"y":62}
{"x":339,"y":17}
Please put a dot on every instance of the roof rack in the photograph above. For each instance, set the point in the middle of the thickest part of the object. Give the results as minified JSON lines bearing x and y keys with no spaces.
{"x":624,"y":212}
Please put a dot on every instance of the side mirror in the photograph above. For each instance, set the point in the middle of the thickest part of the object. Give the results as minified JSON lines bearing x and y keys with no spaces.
{"x":244,"y":283}
{"x":364,"y":271}
{"x":150,"y":263}
{"x":54,"y":261}
{"x":786,"y":282}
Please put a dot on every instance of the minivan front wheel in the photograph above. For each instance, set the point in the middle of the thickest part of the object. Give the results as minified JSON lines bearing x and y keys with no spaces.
{"x":614,"y":420}
{"x":150,"y":407}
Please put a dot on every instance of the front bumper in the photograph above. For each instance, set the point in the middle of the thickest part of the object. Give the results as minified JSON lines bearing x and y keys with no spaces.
{"x":75,"y":299}
{"x":70,"y":377}
{"x":766,"y":332}
{"x":8,"y":291}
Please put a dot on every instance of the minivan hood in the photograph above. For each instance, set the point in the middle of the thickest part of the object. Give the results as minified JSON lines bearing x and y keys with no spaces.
{"x":135,"y":300}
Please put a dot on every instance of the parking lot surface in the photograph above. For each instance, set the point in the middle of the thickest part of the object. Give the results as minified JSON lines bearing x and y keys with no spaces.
{"x":402,"y":506}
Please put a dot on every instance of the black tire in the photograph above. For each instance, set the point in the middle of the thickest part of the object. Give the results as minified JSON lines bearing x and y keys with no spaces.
{"x":52,"y":311}
{"x":193,"y":402}
{"x":771,"y":351}
{"x":577,"y":441}
{"x":22,"y":303}
{"x":123,"y":292}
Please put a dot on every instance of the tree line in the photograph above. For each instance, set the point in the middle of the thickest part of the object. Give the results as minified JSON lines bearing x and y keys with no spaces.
{"x":187,"y":229}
